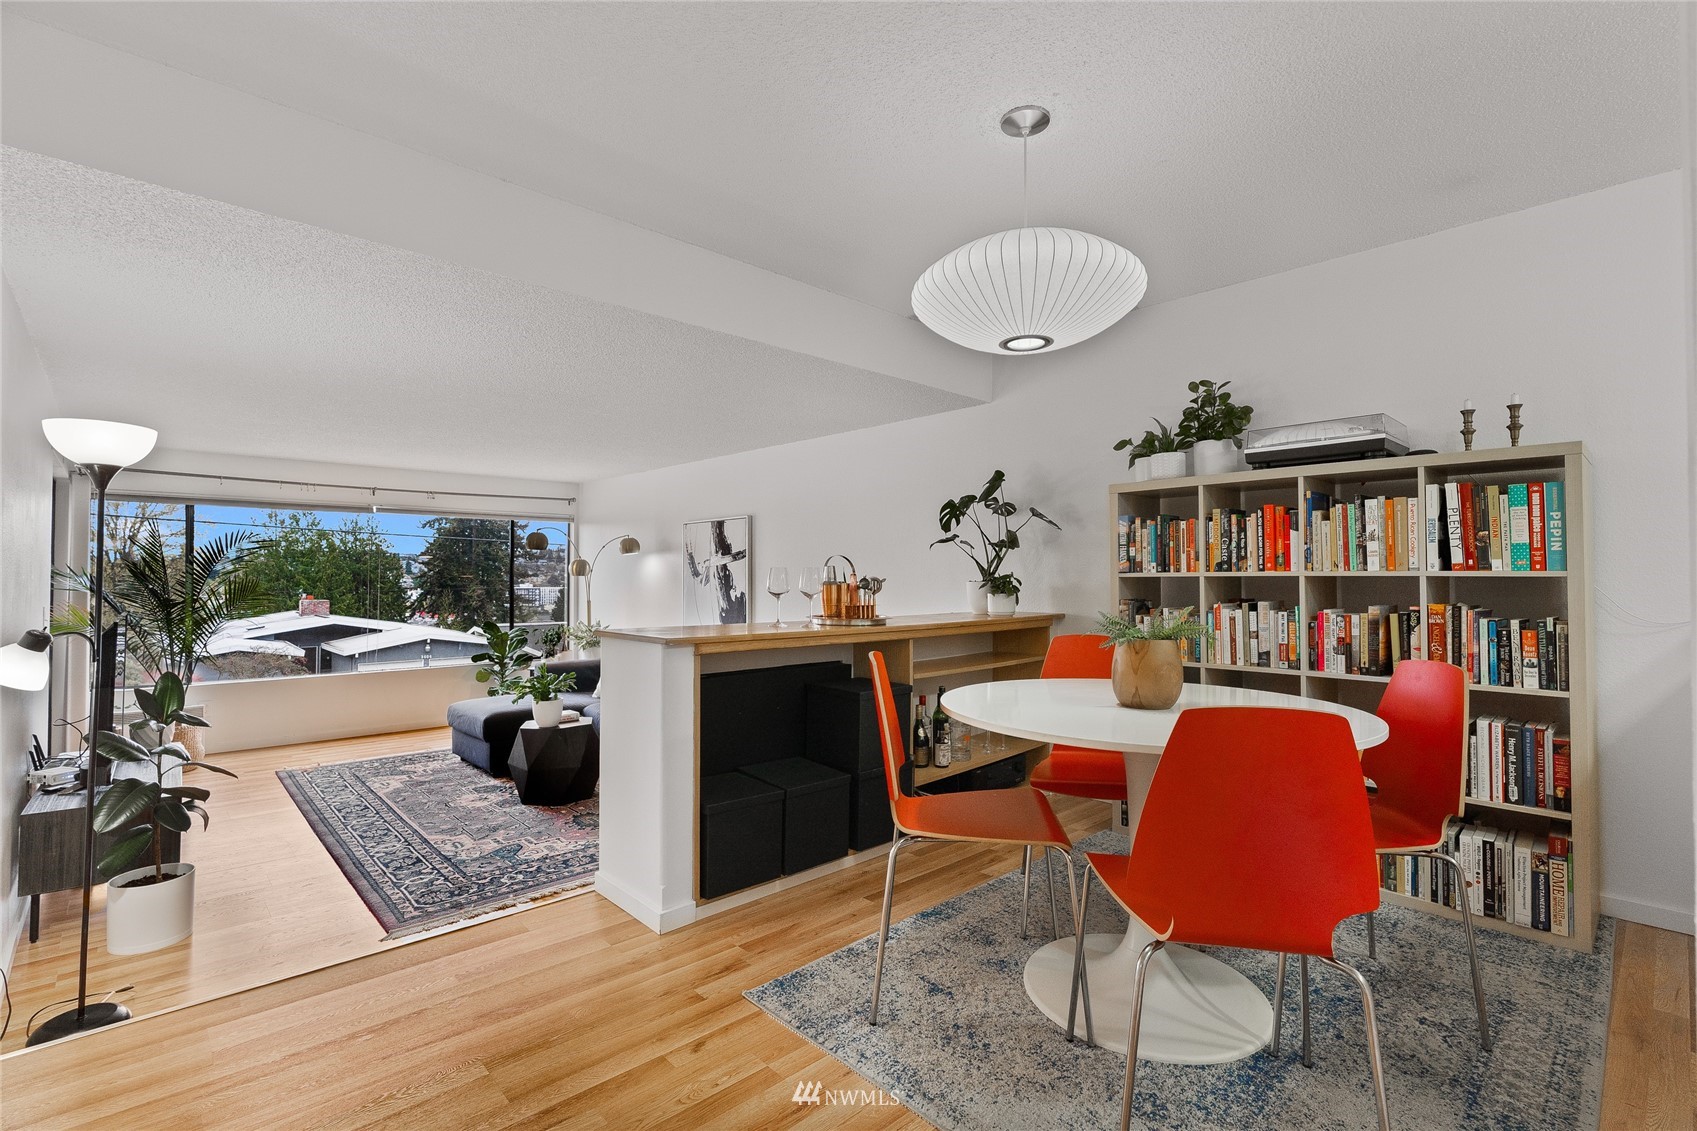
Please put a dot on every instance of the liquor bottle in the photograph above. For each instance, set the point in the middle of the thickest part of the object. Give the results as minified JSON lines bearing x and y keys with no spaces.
{"x":921,"y":737}
{"x":942,"y":749}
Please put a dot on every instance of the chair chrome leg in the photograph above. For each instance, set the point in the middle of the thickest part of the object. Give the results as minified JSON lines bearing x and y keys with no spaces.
{"x":1143,"y":960}
{"x":1372,"y":1039}
{"x":1307,"y":1049}
{"x":1025,"y":894}
{"x":1472,"y":949}
{"x":1278,"y":1005}
{"x":1372,"y":943}
{"x":1049,"y":875}
{"x":884,"y":924}
{"x":1078,"y":979}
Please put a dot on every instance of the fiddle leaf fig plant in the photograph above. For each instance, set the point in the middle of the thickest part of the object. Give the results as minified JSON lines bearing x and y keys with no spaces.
{"x":148,"y":799}
{"x":981,"y":525}
{"x":1211,"y":415}
{"x":505,"y":660}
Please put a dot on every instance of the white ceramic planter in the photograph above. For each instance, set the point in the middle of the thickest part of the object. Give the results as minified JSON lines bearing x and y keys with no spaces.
{"x":977,"y":598}
{"x":1217,"y":457}
{"x":140,"y":919}
{"x":1167,"y":465}
{"x":1140,"y":469}
{"x":1002,"y":604}
{"x":547,"y":714}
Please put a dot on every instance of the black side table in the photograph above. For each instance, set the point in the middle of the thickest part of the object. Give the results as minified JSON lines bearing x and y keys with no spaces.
{"x":555,"y":765}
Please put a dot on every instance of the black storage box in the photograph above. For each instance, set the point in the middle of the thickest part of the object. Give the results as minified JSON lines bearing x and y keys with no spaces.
{"x":742,"y":833}
{"x":816,"y":810}
{"x":759,"y":714}
{"x":870,"y":823}
{"x":842,"y":724}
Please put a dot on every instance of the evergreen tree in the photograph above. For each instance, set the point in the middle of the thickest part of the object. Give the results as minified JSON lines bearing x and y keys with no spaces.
{"x":463,"y":581}
{"x":351,"y":565}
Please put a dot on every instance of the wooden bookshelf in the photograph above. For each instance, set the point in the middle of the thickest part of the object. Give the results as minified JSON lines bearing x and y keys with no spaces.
{"x":1565,"y":593}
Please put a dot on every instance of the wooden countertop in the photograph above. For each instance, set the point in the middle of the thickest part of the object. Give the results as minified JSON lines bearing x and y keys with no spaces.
{"x":799,"y":634}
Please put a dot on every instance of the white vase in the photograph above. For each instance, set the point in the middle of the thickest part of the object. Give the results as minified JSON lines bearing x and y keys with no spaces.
{"x":1002,"y":604}
{"x":150,"y":917}
{"x":1167,"y":465}
{"x":1217,"y":457}
{"x":547,"y":713}
{"x":978,"y":598}
{"x":1140,"y":469}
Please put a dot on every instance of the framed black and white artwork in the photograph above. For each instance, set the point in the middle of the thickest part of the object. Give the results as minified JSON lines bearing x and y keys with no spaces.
{"x":716,"y":570}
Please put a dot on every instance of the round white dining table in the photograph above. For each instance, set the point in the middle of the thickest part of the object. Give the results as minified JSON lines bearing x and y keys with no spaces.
{"x":1196,"y":1009}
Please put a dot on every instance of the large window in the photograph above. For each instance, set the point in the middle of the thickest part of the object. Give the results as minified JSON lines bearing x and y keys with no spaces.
{"x":346,"y":591}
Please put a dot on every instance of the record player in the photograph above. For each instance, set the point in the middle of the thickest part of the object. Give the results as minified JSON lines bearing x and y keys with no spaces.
{"x":1375,"y":436}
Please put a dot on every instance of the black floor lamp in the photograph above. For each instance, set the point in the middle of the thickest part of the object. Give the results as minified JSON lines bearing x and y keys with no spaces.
{"x":102,"y":448}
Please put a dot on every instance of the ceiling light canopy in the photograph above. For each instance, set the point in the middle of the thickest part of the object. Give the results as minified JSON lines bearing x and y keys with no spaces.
{"x":1029,"y":290}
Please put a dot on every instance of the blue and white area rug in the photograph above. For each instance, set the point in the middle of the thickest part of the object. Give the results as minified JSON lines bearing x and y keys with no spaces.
{"x":960,"y":1044}
{"x":428,"y":840}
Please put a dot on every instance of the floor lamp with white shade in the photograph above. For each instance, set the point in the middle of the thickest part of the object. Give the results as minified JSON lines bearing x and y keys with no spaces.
{"x":102,"y":448}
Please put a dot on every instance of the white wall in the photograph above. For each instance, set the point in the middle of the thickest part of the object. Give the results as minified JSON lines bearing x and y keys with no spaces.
{"x":1576,"y":305}
{"x":27,"y":467}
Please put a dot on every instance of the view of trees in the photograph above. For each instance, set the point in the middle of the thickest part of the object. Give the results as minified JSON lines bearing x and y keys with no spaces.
{"x":351,"y":565}
{"x":463,"y":578}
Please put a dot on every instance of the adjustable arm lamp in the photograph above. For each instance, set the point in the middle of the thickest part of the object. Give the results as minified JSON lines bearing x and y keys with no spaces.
{"x":536,"y":540}
{"x":102,"y":448}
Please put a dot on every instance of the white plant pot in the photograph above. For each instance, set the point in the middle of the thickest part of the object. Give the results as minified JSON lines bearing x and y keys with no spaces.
{"x":547,"y":714}
{"x":151,"y":917}
{"x":978,"y":598}
{"x":1140,"y":469}
{"x":1002,"y":604}
{"x":1217,"y":457}
{"x":1167,"y":465}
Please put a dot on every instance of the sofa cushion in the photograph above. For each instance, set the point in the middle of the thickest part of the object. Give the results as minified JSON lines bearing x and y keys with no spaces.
{"x":473,"y":716}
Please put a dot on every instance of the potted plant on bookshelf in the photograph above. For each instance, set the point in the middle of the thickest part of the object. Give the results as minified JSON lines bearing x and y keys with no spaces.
{"x":542,"y":687}
{"x":989,"y":539}
{"x":1004,"y":595}
{"x":152,"y":906}
{"x":1148,"y":671}
{"x":1214,"y":427}
{"x":503,"y":662}
{"x":1159,"y":454}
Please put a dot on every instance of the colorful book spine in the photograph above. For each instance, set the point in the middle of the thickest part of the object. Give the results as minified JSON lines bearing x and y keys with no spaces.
{"x":1434,"y":527}
{"x":1536,"y":531}
{"x":1555,"y":524}
{"x":1493,"y":505}
{"x":1519,"y":530}
{"x":1452,"y":526}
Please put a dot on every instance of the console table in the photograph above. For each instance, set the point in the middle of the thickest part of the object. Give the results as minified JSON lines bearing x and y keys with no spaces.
{"x":651,"y":725}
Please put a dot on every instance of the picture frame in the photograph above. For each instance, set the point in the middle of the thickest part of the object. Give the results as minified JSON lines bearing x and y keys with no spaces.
{"x":716,"y":555}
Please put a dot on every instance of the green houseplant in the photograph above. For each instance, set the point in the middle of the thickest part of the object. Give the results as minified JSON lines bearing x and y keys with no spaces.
{"x":1214,"y":425}
{"x":503,"y":662}
{"x":151,"y":906}
{"x":543,"y":687}
{"x":1159,"y":454}
{"x":985,"y":527}
{"x":1148,"y":669}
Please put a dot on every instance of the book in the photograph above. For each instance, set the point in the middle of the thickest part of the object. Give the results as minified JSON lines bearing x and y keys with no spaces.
{"x":1555,"y":524}
{"x":1452,"y":526}
{"x":1536,"y":554}
{"x":1481,"y":528}
{"x":1561,"y":775}
{"x":1528,"y":658}
{"x":1560,"y":920}
{"x":1540,"y":883}
{"x":1519,"y":532}
{"x":1412,"y":553}
{"x":1125,"y":543}
{"x":1372,"y":556}
{"x":1493,"y":507}
{"x":1434,"y":527}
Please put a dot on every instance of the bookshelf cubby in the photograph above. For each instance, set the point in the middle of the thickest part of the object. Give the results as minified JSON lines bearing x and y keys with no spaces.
{"x":1509,"y":593}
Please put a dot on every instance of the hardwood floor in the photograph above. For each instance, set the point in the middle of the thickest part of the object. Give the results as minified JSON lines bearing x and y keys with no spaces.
{"x":572,"y":1015}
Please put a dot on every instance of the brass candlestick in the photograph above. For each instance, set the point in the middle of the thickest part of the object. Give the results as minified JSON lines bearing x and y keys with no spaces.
{"x":1467,"y":428}
{"x":1514,"y":421}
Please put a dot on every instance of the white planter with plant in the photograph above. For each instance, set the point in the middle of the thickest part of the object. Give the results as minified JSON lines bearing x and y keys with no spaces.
{"x":1148,"y":668}
{"x":543,"y":687}
{"x":1215,"y":427}
{"x":152,"y":906}
{"x":988,"y":542}
{"x":1160,"y":454}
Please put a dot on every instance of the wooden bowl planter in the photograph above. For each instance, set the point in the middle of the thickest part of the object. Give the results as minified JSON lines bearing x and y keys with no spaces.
{"x":1148,"y":674}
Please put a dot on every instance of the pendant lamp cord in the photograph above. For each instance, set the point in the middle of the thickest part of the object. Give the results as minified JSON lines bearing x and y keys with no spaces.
{"x":1025,"y":180}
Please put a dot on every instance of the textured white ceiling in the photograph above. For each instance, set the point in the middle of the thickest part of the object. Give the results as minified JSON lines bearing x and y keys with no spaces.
{"x":234,"y":331}
{"x":849,"y":145}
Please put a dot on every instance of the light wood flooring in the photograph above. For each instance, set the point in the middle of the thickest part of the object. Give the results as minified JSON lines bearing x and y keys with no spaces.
{"x":570,"y":1015}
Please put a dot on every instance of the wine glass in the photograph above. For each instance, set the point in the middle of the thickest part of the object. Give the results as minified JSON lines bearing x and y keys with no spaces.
{"x":777,"y":584}
{"x":812,"y":584}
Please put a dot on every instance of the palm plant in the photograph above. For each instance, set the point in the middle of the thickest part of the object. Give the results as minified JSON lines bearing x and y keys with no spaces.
{"x":171,"y":608}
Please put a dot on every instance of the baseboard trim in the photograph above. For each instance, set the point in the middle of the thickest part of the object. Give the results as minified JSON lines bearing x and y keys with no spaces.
{"x":655,"y":919}
{"x":1679,"y":919}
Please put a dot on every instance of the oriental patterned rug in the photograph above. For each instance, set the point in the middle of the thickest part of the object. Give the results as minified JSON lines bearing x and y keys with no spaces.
{"x":428,"y":840}
{"x":959,"y":1043}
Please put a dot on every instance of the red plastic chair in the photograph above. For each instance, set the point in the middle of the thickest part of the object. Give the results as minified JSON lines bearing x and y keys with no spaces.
{"x":1255,"y":834}
{"x":1014,"y":816}
{"x":1074,"y":770}
{"x":1419,"y":773}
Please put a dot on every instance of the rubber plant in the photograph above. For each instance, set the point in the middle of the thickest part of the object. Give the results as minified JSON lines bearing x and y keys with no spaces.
{"x":1211,"y":415}
{"x":148,"y":799}
{"x":992,"y":535}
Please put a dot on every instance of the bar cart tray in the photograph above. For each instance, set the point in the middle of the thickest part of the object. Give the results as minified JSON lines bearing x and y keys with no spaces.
{"x":846,"y":622}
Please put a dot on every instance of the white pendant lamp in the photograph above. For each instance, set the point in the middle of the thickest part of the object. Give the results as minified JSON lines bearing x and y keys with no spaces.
{"x":1029,"y":290}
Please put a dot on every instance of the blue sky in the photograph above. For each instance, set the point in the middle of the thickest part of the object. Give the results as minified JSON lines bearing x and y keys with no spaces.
{"x":406,"y":533}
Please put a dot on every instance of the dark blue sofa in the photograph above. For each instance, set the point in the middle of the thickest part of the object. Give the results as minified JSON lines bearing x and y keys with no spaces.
{"x":485,"y":729}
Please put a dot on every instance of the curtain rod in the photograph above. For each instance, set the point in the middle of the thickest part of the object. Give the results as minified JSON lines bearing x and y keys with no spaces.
{"x":569,"y":499}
